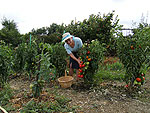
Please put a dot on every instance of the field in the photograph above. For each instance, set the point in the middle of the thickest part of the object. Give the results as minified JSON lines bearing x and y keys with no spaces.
{"x":110,"y":96}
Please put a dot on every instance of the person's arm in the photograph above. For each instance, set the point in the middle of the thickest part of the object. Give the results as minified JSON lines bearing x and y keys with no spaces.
{"x":73,"y":57}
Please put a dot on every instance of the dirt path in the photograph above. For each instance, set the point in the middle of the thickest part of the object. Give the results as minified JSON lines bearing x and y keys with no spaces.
{"x":109,"y":97}
{"x":107,"y":100}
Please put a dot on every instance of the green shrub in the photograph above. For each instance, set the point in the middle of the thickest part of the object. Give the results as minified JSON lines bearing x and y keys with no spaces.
{"x":101,"y":27}
{"x":44,"y":63}
{"x":5,"y":63}
{"x":91,"y":55}
{"x":133,"y":52}
{"x":30,"y":58}
{"x":58,"y":58}
{"x":24,"y":58}
{"x":43,"y":68}
{"x":19,"y":57}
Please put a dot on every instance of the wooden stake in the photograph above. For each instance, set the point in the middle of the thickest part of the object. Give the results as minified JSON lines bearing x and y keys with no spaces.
{"x":3,"y":110}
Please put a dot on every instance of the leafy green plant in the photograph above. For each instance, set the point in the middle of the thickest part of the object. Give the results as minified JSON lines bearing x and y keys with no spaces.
{"x":5,"y":63}
{"x":32,"y":107}
{"x":91,"y":55}
{"x":5,"y":95}
{"x":19,"y":57}
{"x":51,"y":35}
{"x":43,"y":69}
{"x":30,"y":60}
{"x":60,"y":104}
{"x":58,"y":58}
{"x":9,"y":32}
{"x":36,"y":87}
{"x":43,"y":61}
{"x":133,"y":52}
{"x":101,"y":27}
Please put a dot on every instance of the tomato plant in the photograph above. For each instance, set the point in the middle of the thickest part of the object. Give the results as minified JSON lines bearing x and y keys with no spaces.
{"x":36,"y":87}
{"x":19,"y":57}
{"x":89,"y":66}
{"x":133,"y":52}
{"x":58,"y":58}
{"x":44,"y":66}
{"x":24,"y":58}
{"x":5,"y":63}
{"x":30,"y":60}
{"x":43,"y":69}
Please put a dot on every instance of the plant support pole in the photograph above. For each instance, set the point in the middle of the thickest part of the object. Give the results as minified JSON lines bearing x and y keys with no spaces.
{"x":3,"y":110}
{"x":30,"y":40}
{"x":30,"y":48}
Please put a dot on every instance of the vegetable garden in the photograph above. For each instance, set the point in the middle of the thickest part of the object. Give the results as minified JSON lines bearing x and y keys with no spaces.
{"x":39,"y":57}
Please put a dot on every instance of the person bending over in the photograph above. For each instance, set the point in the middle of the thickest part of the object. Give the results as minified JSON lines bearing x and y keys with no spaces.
{"x":72,"y":45}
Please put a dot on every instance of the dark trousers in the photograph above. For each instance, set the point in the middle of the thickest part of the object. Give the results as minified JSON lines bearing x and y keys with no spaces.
{"x":75,"y":64}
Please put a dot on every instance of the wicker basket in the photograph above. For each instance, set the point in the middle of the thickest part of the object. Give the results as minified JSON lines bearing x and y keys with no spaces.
{"x":65,"y":81}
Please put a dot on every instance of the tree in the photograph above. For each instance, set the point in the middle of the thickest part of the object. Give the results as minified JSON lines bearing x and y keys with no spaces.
{"x":9,"y":33}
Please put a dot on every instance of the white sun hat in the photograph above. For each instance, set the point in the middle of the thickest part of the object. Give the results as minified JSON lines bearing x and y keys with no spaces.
{"x":66,"y":36}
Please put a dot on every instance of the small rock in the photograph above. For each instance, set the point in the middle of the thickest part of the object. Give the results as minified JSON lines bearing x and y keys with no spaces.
{"x":124,"y":95}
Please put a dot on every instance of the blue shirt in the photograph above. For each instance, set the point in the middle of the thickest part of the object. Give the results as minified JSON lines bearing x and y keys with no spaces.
{"x":78,"y":45}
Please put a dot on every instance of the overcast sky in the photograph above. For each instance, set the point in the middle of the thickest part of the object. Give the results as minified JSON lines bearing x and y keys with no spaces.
{"x":29,"y":14}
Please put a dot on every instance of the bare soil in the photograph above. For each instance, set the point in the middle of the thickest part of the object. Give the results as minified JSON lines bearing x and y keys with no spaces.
{"x":107,"y":97}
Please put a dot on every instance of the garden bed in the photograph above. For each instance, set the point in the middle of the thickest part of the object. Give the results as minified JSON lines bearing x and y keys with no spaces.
{"x":108,"y":97}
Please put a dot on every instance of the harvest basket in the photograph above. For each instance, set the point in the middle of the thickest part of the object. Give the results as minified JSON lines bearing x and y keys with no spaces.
{"x":65,"y":81}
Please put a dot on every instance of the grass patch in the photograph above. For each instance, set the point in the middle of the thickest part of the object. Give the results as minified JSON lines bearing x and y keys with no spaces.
{"x":114,"y":71}
{"x":110,"y":75}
